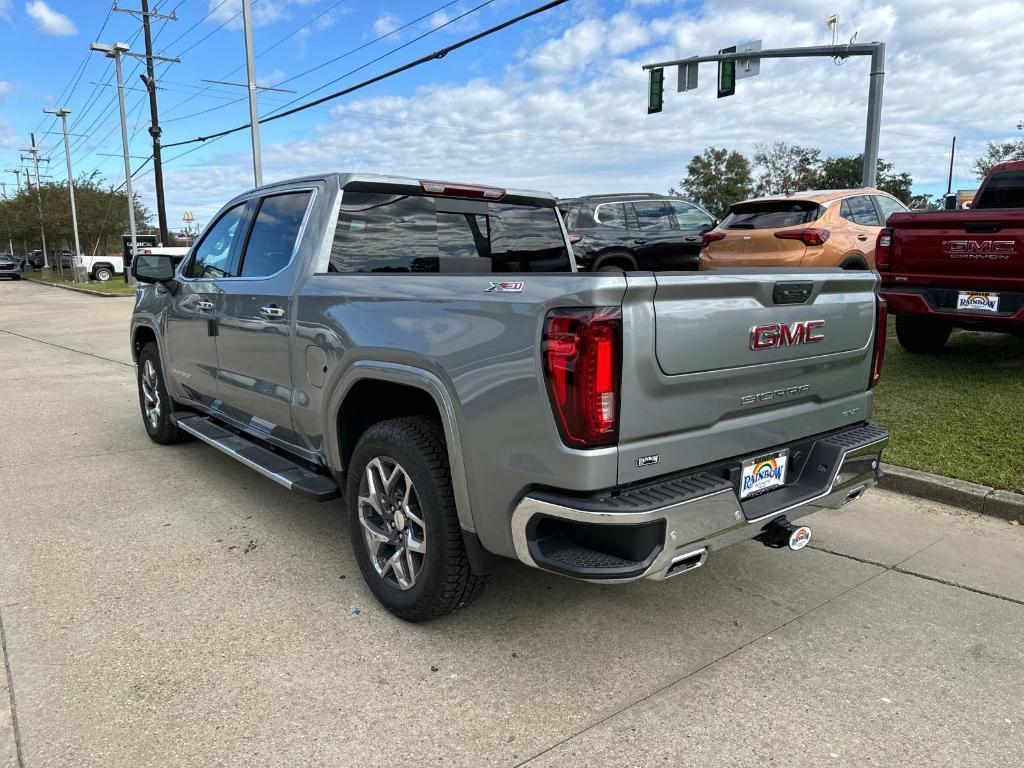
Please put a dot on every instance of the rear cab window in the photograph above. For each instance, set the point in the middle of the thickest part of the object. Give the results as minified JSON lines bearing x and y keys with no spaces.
{"x":385,"y":231}
{"x":1003,"y":190}
{"x":771,"y":214}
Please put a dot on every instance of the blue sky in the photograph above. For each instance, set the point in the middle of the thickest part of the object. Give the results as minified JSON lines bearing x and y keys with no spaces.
{"x":556,"y":103}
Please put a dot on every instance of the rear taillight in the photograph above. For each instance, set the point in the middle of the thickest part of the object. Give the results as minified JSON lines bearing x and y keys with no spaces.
{"x":809,"y":236}
{"x":883,"y":250}
{"x":575,"y":237}
{"x":582,"y":351}
{"x":711,"y":237}
{"x":881,"y":328}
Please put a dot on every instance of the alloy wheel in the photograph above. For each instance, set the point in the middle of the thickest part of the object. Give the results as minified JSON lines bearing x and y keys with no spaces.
{"x":392,"y":523}
{"x":151,"y":394}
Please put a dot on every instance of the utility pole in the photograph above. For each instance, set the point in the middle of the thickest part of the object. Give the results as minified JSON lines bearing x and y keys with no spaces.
{"x":10,"y":239}
{"x":750,"y":55}
{"x":34,"y":152}
{"x":250,"y":77}
{"x":154,"y":128}
{"x":115,"y":52}
{"x":17,"y":176}
{"x":63,"y":113}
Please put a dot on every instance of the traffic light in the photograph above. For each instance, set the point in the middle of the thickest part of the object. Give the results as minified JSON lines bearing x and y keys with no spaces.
{"x":656,"y":90}
{"x":727,"y":74}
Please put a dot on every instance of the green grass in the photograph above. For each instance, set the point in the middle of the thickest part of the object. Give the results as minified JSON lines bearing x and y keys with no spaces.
{"x":959,"y":413}
{"x":116,"y":286}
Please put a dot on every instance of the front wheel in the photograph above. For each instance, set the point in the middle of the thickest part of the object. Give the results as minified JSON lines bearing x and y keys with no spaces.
{"x":922,"y":335}
{"x":404,"y":527}
{"x":154,"y":401}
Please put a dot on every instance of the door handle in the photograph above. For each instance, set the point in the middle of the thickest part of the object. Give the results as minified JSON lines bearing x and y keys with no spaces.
{"x":639,"y":242}
{"x":204,"y":305}
{"x":862,"y":237}
{"x":691,"y":239}
{"x":271,"y":312}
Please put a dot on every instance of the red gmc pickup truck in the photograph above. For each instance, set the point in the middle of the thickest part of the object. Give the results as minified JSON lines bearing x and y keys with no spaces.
{"x":963,"y":269}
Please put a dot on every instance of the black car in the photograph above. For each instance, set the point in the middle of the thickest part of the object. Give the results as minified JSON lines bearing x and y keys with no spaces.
{"x":9,"y":267}
{"x":635,"y":231}
{"x":34,"y":259}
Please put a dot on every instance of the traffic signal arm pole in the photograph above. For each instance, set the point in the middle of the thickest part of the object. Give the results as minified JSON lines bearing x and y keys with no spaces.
{"x":877,"y":79}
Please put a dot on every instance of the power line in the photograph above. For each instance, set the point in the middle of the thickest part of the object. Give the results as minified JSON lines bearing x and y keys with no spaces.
{"x":271,"y":47}
{"x":438,"y":54}
{"x":377,"y":39}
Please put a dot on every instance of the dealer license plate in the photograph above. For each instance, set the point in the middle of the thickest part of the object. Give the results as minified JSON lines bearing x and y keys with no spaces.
{"x":763,"y":473}
{"x":986,"y":302}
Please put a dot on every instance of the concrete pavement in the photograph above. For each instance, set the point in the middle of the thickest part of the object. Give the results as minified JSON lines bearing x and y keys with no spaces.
{"x":166,"y":607}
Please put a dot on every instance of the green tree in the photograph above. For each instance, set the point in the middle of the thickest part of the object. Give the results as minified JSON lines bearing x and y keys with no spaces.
{"x":717,"y":178}
{"x":847,"y":173}
{"x":102,"y":217}
{"x":924,"y":202}
{"x":783,"y":169}
{"x":998,"y":152}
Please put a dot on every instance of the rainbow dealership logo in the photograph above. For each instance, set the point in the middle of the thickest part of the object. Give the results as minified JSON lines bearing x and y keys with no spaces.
{"x":988,"y":302}
{"x":768,"y":472}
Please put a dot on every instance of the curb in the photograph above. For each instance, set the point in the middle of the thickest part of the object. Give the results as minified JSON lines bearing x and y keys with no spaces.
{"x":79,"y":290}
{"x":958,"y":493}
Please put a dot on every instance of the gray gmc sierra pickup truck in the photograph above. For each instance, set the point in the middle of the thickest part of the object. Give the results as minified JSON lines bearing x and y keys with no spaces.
{"x":428,"y":352}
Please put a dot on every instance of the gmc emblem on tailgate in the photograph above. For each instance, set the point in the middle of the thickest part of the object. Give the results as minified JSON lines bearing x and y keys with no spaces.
{"x":979,"y":249}
{"x":783,"y":335}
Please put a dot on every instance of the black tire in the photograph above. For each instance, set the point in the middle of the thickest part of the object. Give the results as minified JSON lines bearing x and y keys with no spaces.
{"x":611,"y":268}
{"x":922,"y":335}
{"x":855,"y":263}
{"x":444,"y":581}
{"x":160,"y":429}
{"x":17,"y":277}
{"x":102,"y":274}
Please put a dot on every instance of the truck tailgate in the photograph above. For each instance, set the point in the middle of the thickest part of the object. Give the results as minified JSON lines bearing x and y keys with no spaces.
{"x":982,"y":243}
{"x":731,"y":362}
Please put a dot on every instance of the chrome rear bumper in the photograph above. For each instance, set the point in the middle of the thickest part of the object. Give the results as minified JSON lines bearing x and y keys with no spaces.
{"x":700,"y":523}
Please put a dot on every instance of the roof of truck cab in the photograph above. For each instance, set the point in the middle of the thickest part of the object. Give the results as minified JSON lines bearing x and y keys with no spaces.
{"x":378,"y":178}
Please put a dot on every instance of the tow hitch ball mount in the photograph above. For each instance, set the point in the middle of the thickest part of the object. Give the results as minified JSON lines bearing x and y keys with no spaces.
{"x":782,"y":533}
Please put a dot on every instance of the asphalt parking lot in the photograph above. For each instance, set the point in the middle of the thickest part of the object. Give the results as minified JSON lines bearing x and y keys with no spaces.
{"x":168,"y":607}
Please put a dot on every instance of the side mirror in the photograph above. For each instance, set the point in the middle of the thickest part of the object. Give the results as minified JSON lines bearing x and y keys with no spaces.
{"x":154,"y":267}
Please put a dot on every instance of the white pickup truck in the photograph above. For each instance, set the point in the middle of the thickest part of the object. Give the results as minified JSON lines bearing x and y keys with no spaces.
{"x":106,"y":266}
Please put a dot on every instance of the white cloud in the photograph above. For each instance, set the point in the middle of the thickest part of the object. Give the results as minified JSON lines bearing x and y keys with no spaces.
{"x":49,"y":21}
{"x":5,"y":88}
{"x":8,"y":139}
{"x":5,"y":9}
{"x":270,"y":79}
{"x":568,"y":114}
{"x":385,"y":25}
{"x":264,"y":13}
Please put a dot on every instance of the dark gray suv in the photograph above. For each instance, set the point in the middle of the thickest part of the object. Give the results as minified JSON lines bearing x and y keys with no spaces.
{"x":630,"y":231}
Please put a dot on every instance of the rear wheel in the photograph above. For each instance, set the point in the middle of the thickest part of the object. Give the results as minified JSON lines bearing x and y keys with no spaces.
{"x":404,"y":527}
{"x":155,"y":403}
{"x":922,"y":335}
{"x":103,"y":274}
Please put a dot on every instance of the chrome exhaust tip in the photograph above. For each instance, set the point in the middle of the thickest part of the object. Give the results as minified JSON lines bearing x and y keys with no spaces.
{"x":691,"y":561}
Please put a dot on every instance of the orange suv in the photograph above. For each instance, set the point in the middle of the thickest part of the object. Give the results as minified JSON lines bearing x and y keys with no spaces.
{"x":826,"y":228}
